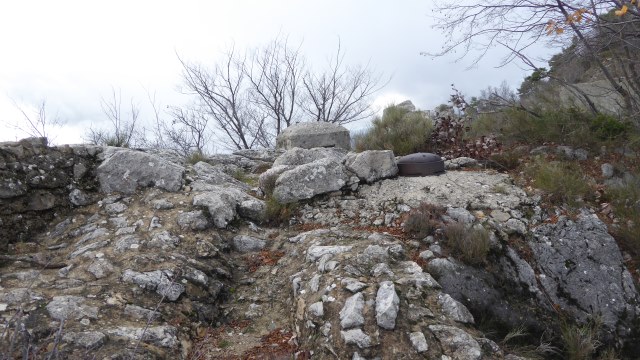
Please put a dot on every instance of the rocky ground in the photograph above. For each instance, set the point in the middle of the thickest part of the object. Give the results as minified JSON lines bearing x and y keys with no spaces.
{"x":196,"y":272}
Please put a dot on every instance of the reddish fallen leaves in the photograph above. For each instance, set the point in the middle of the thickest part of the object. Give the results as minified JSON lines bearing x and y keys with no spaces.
{"x":264,"y":257}
{"x":278,"y":344}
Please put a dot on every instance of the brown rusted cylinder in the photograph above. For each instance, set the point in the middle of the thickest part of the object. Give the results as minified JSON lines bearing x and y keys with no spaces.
{"x":420,"y":164}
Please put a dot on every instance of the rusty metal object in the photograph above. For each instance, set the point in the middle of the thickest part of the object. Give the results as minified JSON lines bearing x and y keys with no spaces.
{"x":420,"y":164}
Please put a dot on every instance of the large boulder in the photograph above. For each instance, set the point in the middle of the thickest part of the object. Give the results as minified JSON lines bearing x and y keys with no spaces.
{"x":308,"y":180}
{"x":314,"y":134}
{"x":584,"y":272}
{"x":223,"y":204}
{"x":372,"y":165}
{"x":125,"y":170}
{"x":299,"y":156}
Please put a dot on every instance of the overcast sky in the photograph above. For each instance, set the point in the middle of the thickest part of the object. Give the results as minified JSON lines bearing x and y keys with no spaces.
{"x":71,"y":53}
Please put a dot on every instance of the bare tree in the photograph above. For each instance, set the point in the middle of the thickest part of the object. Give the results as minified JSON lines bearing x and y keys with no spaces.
{"x":517,"y":25}
{"x":123,"y":130}
{"x":37,"y":123}
{"x":223,"y":97}
{"x":251,"y":98}
{"x":340,"y":94}
{"x":274,"y":73}
{"x":188,"y":132}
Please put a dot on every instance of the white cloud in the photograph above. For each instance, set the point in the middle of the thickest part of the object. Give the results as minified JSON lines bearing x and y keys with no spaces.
{"x":72,"y":52}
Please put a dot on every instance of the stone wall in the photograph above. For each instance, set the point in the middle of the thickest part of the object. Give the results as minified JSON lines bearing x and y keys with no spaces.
{"x":39,"y":183}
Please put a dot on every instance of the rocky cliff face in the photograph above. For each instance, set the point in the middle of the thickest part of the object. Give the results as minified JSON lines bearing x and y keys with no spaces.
{"x":117,"y":253}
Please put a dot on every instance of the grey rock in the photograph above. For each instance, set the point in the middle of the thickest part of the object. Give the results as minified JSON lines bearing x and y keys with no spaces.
{"x":382,"y":269}
{"x":500,"y":216}
{"x":418,"y":341}
{"x":454,"y":310}
{"x":460,"y":215}
{"x":85,"y":339}
{"x":79,"y":170}
{"x":158,"y":280}
{"x":315,"y":134}
{"x":607,"y":170}
{"x":194,"y":220}
{"x":91,"y":246}
{"x":79,"y":198}
{"x":306,"y":181}
{"x":18,"y":296}
{"x":372,"y":165}
{"x":127,"y":242}
{"x":126,"y":230}
{"x":316,"y":252}
{"x":456,"y":342}
{"x":163,"y":240}
{"x":245,"y":243}
{"x":267,"y":180}
{"x":515,"y":226}
{"x":115,"y":208}
{"x":373,"y":254}
{"x":426,"y":255}
{"x":460,"y":162}
{"x":140,"y":312}
{"x":266,"y":155}
{"x":298,"y":156}
{"x":314,"y":283}
{"x":356,"y":337}
{"x":353,"y":285}
{"x":164,"y":336}
{"x":351,"y":313}
{"x":38,"y":200}
{"x":254,"y":311}
{"x":100,"y":268}
{"x":316,"y":309}
{"x":215,"y":176}
{"x":70,"y":307}
{"x":162,"y":204}
{"x":154,"y":223}
{"x":579,"y":259}
{"x":125,"y":170}
{"x":387,"y":305}
{"x":10,"y":188}
{"x":252,"y":209}
{"x":417,"y":313}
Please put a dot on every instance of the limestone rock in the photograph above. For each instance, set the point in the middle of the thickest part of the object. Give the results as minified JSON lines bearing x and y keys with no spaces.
{"x":70,"y":307}
{"x":306,"y":181}
{"x":454,"y":310}
{"x":456,"y":342}
{"x":387,"y":305}
{"x":126,"y":170}
{"x":164,"y":336}
{"x":418,"y":341}
{"x":158,"y":280}
{"x":194,"y":220}
{"x":372,"y":165}
{"x":356,"y":337}
{"x":245,"y":244}
{"x":299,"y":156}
{"x":351,"y":313}
{"x":85,"y":339}
{"x":579,"y":259}
{"x":314,"y":134}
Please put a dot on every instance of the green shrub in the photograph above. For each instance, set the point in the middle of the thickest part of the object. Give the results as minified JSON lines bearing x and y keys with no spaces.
{"x":580,"y":341}
{"x":505,"y":161}
{"x":563,"y":181}
{"x":242,"y":176}
{"x":195,"y":157}
{"x":277,"y":213}
{"x":471,"y":245}
{"x":607,"y":127}
{"x":399,"y":130}
{"x":422,"y":221}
